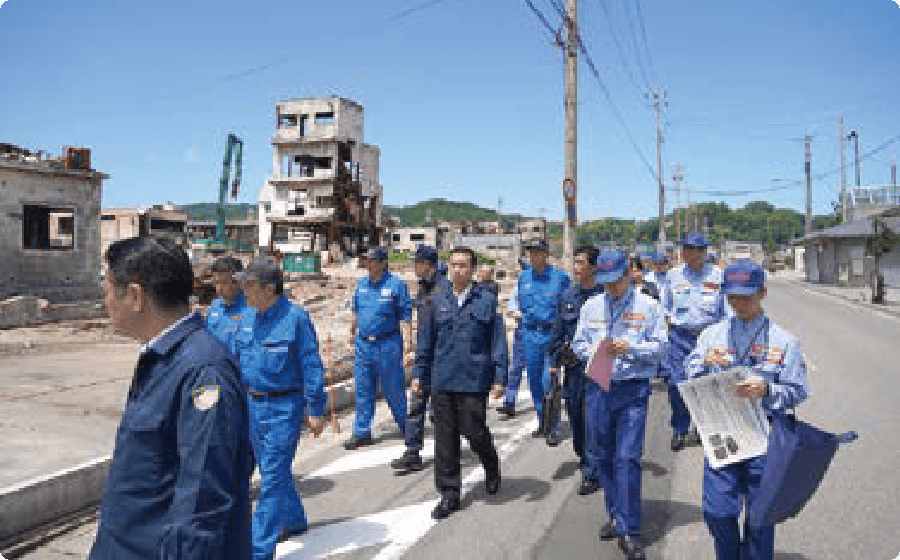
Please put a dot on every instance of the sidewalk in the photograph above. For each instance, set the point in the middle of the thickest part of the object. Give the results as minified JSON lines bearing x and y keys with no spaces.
{"x":858,"y":295}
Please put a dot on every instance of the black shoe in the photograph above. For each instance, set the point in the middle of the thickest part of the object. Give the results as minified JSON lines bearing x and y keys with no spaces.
{"x":632,"y":546}
{"x":355,"y":442}
{"x":588,"y":487}
{"x":286,"y":533}
{"x":554,"y":438}
{"x":445,"y":507}
{"x":608,"y":531}
{"x":692,"y":437}
{"x":507,"y":411}
{"x":409,"y":461}
{"x":539,"y":432}
{"x":492,"y":484}
{"x":677,"y":442}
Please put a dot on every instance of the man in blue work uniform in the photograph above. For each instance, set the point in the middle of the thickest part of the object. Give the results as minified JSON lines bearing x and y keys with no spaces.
{"x":659,"y":275}
{"x":430,"y":284}
{"x":692,"y":300}
{"x":562,"y":356}
{"x":284,"y":376}
{"x":507,"y":410}
{"x":225,"y":312}
{"x":777,"y":376}
{"x":540,"y":291}
{"x":177,"y":486}
{"x":617,"y":419}
{"x":380,"y":304}
{"x":460,"y":354}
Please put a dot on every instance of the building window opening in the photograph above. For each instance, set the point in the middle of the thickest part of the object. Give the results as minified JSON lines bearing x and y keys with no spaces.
{"x":396,"y":237}
{"x":417,"y":237}
{"x":287,"y":121}
{"x":48,"y":229}
{"x":325,"y":118}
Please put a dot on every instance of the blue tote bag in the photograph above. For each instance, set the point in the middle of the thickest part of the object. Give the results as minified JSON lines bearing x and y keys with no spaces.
{"x":798,"y":456}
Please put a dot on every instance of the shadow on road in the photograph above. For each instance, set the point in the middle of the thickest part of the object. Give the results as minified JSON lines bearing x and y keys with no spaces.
{"x":790,"y":556}
{"x":511,"y":489}
{"x":654,"y":469}
{"x":662,"y":515}
{"x":566,"y":470}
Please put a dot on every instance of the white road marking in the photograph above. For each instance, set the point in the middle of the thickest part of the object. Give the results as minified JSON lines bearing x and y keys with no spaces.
{"x":399,"y":528}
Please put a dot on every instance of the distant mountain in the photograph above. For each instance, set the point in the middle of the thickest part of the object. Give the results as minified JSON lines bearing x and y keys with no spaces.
{"x":412,"y":216}
{"x":207,"y":211}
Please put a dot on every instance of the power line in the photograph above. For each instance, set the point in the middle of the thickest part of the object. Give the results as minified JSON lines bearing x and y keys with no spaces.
{"x":540,"y":15}
{"x":410,"y":11}
{"x":644,"y":35}
{"x":637,"y":48}
{"x":861,"y":158}
{"x":622,"y":57}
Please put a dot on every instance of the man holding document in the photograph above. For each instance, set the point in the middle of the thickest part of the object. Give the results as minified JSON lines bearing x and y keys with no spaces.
{"x":777,"y":376}
{"x":622,"y":336}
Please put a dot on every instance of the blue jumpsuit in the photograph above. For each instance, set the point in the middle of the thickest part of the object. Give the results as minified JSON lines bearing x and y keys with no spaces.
{"x":283,"y":372}
{"x":517,"y":363}
{"x":177,"y":487}
{"x":415,"y":420}
{"x":539,"y":297}
{"x":617,"y":419}
{"x":575,"y":382}
{"x":380,"y":307}
{"x":773,"y":354}
{"x":223,"y":319}
{"x":692,"y":301}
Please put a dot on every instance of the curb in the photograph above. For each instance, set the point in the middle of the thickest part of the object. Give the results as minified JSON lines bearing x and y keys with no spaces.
{"x":30,"y":506}
{"x":856,"y":301}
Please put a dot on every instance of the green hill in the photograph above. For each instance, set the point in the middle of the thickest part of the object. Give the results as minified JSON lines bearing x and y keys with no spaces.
{"x":412,"y":216}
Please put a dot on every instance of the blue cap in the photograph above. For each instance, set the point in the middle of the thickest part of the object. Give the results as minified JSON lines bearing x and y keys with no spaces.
{"x":611,"y":265}
{"x":744,"y":278}
{"x":539,"y":245}
{"x":660,"y":259}
{"x":426,"y":253}
{"x":376,"y":253}
{"x":263,"y":269}
{"x":695,"y":240}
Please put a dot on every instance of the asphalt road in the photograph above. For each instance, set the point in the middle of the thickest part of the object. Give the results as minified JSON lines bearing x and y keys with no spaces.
{"x":358,"y":508}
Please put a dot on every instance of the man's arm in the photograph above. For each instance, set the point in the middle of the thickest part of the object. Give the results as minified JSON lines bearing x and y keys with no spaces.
{"x":404,"y":313}
{"x":425,"y":342}
{"x":653,"y":348}
{"x":212,"y":453}
{"x":499,"y":350}
{"x":791,"y":388}
{"x":557,"y":338}
{"x":312,"y":372}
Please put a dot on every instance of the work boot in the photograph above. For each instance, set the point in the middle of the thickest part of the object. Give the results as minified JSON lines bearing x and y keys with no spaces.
{"x":355,"y":442}
{"x":588,"y":486}
{"x":692,"y":437}
{"x":678,"y":442}
{"x":409,"y":461}
{"x":632,"y":546}
{"x":608,"y":531}
{"x":554,"y":438}
{"x":448,"y":504}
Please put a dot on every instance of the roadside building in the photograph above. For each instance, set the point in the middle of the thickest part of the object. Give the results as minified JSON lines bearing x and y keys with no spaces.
{"x":409,"y":238}
{"x":160,"y":220}
{"x":49,"y":224}
{"x":507,"y":248}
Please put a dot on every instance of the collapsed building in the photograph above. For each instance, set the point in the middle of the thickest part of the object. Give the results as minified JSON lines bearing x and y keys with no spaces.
{"x":49,"y":224}
{"x":324,"y":193}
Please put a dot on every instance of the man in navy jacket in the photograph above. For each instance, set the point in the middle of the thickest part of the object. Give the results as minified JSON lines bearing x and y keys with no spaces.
{"x":460,"y":353}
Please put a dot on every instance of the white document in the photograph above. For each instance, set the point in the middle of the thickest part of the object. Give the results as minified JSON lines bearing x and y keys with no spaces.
{"x":731,"y":428}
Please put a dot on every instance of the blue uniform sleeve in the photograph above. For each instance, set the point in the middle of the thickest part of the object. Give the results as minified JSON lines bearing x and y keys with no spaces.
{"x":651,"y":348}
{"x":499,"y":350}
{"x":425,"y":340}
{"x":312,"y":371}
{"x":585,"y":336}
{"x":791,"y":387}
{"x":694,"y":365}
{"x":404,"y":303}
{"x":666,"y":299}
{"x":212,"y":455}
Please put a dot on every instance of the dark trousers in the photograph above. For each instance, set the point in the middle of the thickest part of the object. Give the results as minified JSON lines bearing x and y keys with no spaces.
{"x":415,"y":422}
{"x":455,"y":414}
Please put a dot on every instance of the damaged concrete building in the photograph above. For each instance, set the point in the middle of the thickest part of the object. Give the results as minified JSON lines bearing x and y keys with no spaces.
{"x":160,"y":220}
{"x":324,"y":192}
{"x":49,"y":224}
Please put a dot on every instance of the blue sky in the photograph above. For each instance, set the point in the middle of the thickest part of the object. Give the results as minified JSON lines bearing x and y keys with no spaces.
{"x":464,"y":97}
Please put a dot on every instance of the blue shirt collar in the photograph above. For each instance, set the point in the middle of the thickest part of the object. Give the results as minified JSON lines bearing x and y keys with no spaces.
{"x":171,"y":335}
{"x":275,"y":309}
{"x":748,"y":326}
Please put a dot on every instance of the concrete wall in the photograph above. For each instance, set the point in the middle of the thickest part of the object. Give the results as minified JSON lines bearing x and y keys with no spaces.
{"x":402,"y":239}
{"x":58,"y":275}
{"x":347,"y":124}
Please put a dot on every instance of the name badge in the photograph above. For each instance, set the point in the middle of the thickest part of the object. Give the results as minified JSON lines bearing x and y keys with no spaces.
{"x":385,"y":291}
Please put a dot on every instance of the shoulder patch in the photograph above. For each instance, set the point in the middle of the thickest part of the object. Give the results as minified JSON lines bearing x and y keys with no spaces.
{"x":205,"y":397}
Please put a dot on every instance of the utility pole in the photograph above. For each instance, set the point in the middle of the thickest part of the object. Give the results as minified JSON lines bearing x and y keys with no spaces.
{"x":676,"y":177}
{"x":808,"y":186}
{"x":570,"y":184}
{"x":843,"y":173}
{"x":855,"y":137}
{"x":894,"y":171}
{"x":659,"y":99}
